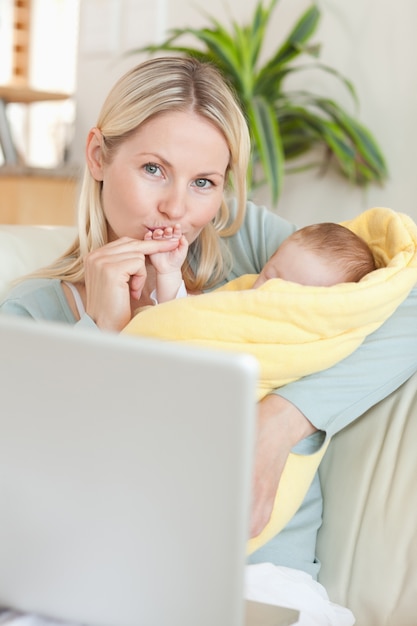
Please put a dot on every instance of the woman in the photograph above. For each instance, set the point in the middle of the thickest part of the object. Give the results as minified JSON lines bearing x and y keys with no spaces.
{"x":169,"y":143}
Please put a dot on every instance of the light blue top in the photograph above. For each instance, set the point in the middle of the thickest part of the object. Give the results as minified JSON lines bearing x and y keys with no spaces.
{"x":330,"y":399}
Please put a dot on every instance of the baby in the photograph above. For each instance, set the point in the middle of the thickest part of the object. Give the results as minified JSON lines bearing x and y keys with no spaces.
{"x":320,"y":254}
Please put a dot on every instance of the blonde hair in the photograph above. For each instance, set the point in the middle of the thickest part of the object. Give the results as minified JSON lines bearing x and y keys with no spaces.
{"x":152,"y":88}
{"x":340,"y":246}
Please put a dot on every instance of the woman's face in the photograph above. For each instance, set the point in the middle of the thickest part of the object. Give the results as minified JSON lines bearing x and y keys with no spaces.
{"x":172,"y":170}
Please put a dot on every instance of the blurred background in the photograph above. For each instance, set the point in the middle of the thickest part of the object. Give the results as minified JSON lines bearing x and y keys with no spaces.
{"x":78,"y":49}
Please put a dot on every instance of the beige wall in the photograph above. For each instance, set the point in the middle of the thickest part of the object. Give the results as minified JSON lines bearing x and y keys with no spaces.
{"x":372,"y":42}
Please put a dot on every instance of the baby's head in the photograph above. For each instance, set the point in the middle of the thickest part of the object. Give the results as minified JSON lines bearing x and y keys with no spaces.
{"x":321,"y":254}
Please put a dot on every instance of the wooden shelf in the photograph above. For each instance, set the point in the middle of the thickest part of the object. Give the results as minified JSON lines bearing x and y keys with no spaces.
{"x":18,"y":89}
{"x":19,"y":94}
{"x":26,"y":95}
{"x":38,"y":196}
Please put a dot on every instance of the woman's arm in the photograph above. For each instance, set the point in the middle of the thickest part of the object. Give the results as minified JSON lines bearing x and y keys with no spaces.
{"x":327,"y":401}
{"x":280,"y":427}
{"x":332,"y":399}
{"x":319,"y":405}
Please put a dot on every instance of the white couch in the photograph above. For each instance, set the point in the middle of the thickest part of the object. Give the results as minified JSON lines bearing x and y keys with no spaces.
{"x":25,"y":248}
{"x":368,"y":541}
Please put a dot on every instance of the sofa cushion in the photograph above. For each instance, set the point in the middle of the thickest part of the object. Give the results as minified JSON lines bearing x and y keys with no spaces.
{"x":368,"y":541}
{"x":26,"y":248}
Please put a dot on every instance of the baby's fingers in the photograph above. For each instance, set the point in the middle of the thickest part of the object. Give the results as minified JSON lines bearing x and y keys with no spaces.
{"x":167,"y":232}
{"x":177,"y":231}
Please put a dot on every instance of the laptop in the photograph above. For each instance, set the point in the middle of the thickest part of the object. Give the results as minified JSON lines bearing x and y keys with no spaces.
{"x":125,"y":470}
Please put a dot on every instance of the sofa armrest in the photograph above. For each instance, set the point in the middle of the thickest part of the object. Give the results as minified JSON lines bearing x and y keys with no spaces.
{"x":368,"y":540}
{"x":24,"y":249}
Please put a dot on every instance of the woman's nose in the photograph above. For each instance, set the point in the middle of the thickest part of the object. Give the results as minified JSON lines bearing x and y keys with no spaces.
{"x":173,"y":205}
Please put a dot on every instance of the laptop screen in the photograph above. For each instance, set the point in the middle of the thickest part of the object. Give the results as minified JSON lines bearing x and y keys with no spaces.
{"x":125,"y":471}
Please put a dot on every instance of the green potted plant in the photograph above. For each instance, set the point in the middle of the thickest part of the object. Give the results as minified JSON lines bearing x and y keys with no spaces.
{"x":284,"y":124}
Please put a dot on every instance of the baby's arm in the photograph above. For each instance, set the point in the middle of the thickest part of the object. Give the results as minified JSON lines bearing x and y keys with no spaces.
{"x":168,"y":264}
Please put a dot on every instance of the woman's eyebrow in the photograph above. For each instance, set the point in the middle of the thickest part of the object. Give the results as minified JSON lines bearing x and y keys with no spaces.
{"x":153,"y":155}
{"x":208,"y":174}
{"x":159,"y":157}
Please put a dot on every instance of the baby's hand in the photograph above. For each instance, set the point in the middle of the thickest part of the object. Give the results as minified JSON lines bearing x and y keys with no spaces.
{"x":166,"y":262}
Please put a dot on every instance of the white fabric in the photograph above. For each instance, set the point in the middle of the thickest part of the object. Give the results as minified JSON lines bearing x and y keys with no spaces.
{"x":181,"y":293}
{"x":264,"y":582}
{"x":78,"y":302}
{"x":294,"y":589}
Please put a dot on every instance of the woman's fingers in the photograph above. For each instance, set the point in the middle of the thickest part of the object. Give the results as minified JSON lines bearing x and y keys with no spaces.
{"x":113,"y":274}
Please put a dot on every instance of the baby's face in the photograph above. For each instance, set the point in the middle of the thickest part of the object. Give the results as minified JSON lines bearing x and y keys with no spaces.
{"x":294,"y":263}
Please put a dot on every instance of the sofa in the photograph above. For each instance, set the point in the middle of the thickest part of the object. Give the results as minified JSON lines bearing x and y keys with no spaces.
{"x":368,"y":540}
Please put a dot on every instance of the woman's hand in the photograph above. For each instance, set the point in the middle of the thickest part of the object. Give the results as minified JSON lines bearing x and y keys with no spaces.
{"x":115,"y":274}
{"x":280,"y":426}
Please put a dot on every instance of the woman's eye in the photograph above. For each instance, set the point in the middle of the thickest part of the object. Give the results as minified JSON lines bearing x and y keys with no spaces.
{"x":202,"y":183}
{"x":151,"y":168}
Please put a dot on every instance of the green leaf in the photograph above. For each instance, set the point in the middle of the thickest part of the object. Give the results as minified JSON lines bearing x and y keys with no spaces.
{"x":295,"y":42}
{"x":368,"y":151}
{"x":267,"y":142}
{"x":284,"y":124}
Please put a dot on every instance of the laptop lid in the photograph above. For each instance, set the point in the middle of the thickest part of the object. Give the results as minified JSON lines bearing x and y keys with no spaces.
{"x":125,"y":471}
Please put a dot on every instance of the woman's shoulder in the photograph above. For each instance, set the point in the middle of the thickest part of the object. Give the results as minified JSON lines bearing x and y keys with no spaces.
{"x":38,"y":298}
{"x":261,"y":233}
{"x":32,"y":286}
{"x":259,"y":218}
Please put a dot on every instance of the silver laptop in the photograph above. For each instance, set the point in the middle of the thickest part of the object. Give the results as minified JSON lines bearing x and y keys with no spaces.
{"x":125,"y":479}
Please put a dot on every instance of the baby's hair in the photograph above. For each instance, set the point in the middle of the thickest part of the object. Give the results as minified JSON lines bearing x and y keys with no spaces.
{"x":339,"y":246}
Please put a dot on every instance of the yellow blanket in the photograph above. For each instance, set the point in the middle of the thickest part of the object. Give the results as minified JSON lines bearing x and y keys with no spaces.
{"x":294,"y":330}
